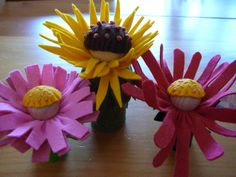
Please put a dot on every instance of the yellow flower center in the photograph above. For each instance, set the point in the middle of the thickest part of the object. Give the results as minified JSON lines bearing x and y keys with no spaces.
{"x":186,"y":94}
{"x":106,"y":56}
{"x":42,"y":102}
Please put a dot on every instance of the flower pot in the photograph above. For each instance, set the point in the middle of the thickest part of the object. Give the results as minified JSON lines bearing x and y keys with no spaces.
{"x":111,"y":117}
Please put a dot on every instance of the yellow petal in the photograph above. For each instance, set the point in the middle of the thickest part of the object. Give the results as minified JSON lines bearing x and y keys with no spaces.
{"x":129,"y":20}
{"x":99,"y":68}
{"x":52,"y":49}
{"x":113,"y":63}
{"x":127,"y":57}
{"x":107,"y":11}
{"x":49,"y":39}
{"x":115,"y":86}
{"x":141,"y":31}
{"x":76,"y":51}
{"x":93,"y":13}
{"x":52,"y":25}
{"x":86,"y":76}
{"x":80,"y":18}
{"x":76,"y":28}
{"x":65,"y":38}
{"x":91,"y":65}
{"x":143,"y":49}
{"x":127,"y":74}
{"x":104,"y":72}
{"x":144,"y":39}
{"x":117,"y":18}
{"x":102,"y":91}
{"x":136,"y":26}
{"x":77,"y":63}
{"x":103,"y":10}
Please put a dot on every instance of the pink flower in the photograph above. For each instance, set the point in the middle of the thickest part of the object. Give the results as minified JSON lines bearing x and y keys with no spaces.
{"x":44,"y":131}
{"x":186,"y":115}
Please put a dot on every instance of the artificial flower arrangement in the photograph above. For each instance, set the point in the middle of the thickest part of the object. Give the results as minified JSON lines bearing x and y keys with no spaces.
{"x":42,"y":111}
{"x":188,"y":104}
{"x":104,"y":50}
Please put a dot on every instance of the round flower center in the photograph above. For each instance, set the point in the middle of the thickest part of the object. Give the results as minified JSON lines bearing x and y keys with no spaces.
{"x":186,"y":94}
{"x":107,"y":41}
{"x":42,"y":102}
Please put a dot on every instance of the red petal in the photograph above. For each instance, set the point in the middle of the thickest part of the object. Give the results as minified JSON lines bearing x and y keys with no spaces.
{"x":182,"y":148}
{"x":193,"y":66}
{"x":166,"y":132}
{"x":207,"y":144}
{"x":155,"y":69}
{"x":209,"y":69}
{"x":178,"y":64}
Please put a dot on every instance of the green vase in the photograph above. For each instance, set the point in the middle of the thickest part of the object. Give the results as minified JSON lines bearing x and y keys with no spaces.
{"x":111,"y":117}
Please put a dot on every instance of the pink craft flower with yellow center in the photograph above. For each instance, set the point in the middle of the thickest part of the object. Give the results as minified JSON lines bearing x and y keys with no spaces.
{"x":40,"y":112}
{"x":189,"y":105}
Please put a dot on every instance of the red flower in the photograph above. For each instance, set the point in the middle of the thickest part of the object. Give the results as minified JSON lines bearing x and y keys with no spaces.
{"x":186,"y":112}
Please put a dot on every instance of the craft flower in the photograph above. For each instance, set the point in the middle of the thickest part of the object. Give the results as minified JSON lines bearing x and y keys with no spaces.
{"x":40,"y":112}
{"x":105,"y":49}
{"x":189,"y":105}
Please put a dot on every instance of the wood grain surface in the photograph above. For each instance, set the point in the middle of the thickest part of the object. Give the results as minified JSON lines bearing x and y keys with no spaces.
{"x":192,"y":25}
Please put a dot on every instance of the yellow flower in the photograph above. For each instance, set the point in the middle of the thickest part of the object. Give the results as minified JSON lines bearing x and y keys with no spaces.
{"x":71,"y":47}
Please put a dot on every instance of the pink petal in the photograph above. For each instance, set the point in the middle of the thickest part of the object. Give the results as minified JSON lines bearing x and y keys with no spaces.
{"x":84,"y":83}
{"x":207,"y":144}
{"x":155,"y":69}
{"x":19,"y":82}
{"x":220,"y":114}
{"x":64,"y":151}
{"x":222,"y":80}
{"x":149,"y":90}
{"x":218,"y":128}
{"x":215,"y":99}
{"x":178,"y":64}
{"x":37,"y":136}
{"x":10,"y":121}
{"x":73,"y":127}
{"x":163,"y":154}
{"x":193,"y":66}
{"x":89,"y":118}
{"x":7,"y":93}
{"x":22,"y":129}
{"x":20,"y":145}
{"x":5,"y":107}
{"x":92,"y":97}
{"x":43,"y":154}
{"x":166,"y":131}
{"x":71,"y":78}
{"x":138,"y":69}
{"x":55,"y":137}
{"x":72,"y":87}
{"x":77,"y":110}
{"x":76,"y":96}
{"x":10,"y":83}
{"x":182,"y":148}
{"x":133,"y":91}
{"x":33,"y":75}
{"x":48,"y":75}
{"x":209,"y":69}
{"x":60,"y":78}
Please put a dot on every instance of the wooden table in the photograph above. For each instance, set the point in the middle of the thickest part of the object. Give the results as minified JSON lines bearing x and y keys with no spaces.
{"x":207,"y":26}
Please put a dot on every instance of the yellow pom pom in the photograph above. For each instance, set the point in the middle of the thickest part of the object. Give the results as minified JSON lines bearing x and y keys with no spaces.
{"x":41,"y":96}
{"x":186,"y":88}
